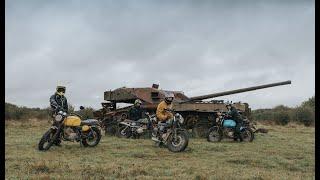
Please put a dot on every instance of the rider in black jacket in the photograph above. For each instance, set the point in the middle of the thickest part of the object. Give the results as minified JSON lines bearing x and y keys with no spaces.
{"x":234,"y":115}
{"x":58,"y":102}
{"x":135,"y":112}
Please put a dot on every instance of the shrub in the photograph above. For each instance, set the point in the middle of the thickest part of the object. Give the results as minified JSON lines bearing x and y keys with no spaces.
{"x":86,"y":113}
{"x":304,"y":115}
{"x":281,"y":118}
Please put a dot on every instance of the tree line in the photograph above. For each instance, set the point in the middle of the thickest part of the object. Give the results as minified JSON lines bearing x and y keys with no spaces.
{"x":282,"y":115}
{"x":14,"y":112}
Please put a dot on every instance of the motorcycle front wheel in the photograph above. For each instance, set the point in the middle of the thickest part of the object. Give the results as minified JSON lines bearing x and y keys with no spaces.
{"x":179,"y":143}
{"x":46,"y":141}
{"x":93,"y":139}
{"x":124,"y":132}
{"x":214,"y":135}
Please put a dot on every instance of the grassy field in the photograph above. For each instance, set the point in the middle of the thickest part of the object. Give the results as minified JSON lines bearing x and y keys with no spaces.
{"x":284,"y":153}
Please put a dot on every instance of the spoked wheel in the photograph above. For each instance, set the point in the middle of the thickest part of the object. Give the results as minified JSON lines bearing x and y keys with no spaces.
{"x":247,"y":135}
{"x":124,"y":132}
{"x":214,"y":135}
{"x":93,"y":138}
{"x":47,"y":140}
{"x":178,"y":143}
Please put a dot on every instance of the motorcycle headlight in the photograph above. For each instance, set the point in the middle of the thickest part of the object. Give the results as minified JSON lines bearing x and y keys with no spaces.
{"x":58,"y":117}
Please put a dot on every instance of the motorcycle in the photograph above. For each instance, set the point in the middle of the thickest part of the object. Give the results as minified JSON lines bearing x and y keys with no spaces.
{"x":129,"y":128}
{"x":225,"y":127}
{"x":70,"y":127}
{"x":171,"y":134}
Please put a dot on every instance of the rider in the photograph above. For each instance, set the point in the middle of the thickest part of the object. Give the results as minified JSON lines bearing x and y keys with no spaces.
{"x":58,"y":102}
{"x":235,"y":115}
{"x":136,"y":112}
{"x":162,"y":114}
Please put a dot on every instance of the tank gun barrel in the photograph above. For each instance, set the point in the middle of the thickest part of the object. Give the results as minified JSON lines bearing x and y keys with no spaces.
{"x":224,"y":93}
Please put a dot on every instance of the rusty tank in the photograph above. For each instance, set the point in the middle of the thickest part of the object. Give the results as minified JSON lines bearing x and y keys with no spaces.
{"x":199,"y":115}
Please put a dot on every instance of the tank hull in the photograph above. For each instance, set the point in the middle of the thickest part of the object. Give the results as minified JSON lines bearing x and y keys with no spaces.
{"x":199,"y":115}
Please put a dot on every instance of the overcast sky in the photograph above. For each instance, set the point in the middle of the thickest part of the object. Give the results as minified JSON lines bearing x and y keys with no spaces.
{"x":198,"y":47}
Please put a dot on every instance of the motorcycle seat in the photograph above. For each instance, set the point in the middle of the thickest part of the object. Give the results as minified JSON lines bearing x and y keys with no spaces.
{"x":163,"y":124}
{"x":90,"y":122}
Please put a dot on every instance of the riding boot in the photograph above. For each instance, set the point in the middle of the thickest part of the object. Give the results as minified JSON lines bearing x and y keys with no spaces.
{"x":240,"y":137}
{"x":57,"y":143}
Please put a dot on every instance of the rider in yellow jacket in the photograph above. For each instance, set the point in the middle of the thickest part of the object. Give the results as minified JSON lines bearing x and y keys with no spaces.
{"x":162,"y":114}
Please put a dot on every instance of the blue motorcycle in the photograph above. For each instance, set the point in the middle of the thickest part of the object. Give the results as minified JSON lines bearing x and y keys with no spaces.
{"x":225,"y":128}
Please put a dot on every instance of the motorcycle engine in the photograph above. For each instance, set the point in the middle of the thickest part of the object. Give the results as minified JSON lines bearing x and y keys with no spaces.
{"x":165,"y":136}
{"x":139,"y":130}
{"x":229,"y":132}
{"x":70,"y":134}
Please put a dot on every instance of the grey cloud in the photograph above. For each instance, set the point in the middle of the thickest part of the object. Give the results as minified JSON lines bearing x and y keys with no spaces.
{"x":197,"y":47}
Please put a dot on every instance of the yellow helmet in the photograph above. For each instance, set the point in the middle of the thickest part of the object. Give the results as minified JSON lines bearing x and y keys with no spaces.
{"x":61,"y":90}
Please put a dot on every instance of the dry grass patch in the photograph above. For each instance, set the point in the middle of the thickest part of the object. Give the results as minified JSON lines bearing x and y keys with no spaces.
{"x":283,"y":153}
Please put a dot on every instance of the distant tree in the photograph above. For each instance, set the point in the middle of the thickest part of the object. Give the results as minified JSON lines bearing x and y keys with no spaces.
{"x":304,"y":115}
{"x":281,"y":117}
{"x":309,"y":103}
{"x":86,"y":113}
{"x":281,"y":108}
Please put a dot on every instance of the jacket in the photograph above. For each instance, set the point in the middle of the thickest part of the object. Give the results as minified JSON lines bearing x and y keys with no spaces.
{"x":234,"y":114}
{"x":163,"y":115}
{"x":58,"y":103}
{"x":135,"y":113}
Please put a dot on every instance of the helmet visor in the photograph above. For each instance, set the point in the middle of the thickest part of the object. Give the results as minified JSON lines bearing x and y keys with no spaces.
{"x":169,"y":98}
{"x":63,"y":90}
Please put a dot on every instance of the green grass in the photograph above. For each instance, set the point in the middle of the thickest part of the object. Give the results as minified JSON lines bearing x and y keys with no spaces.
{"x":284,"y":153}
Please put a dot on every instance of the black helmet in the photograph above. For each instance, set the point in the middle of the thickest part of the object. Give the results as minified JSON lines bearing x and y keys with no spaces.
{"x":228,"y":104}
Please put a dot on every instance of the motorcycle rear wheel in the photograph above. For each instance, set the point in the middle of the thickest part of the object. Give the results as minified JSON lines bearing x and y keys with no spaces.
{"x":92,"y":141}
{"x":46,"y":141}
{"x":180,"y":143}
{"x":247,"y":135}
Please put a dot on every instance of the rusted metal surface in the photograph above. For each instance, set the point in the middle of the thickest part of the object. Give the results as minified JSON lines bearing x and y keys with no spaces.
{"x":147,"y":95}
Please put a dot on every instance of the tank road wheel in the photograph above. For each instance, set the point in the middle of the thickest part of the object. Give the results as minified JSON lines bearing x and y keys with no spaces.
{"x":124,"y":116}
{"x":191,"y":121}
{"x":111,"y":130}
{"x":199,"y":130}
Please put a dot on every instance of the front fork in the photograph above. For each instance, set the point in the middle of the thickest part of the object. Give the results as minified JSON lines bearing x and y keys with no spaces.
{"x":57,"y":130}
